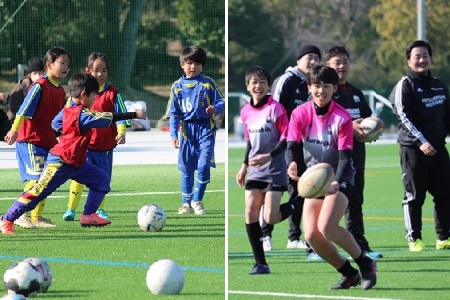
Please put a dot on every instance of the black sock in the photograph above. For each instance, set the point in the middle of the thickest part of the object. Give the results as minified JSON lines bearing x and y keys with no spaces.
{"x":347,"y":269}
{"x":255,"y":238}
{"x":363,"y":260}
{"x":286,"y":210}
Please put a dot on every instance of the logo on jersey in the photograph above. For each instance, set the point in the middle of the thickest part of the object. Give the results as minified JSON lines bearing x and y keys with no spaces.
{"x":356,"y":99}
{"x":201,"y":100}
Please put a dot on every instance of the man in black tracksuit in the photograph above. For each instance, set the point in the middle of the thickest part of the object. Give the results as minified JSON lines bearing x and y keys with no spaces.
{"x":353,"y":100}
{"x":291,"y":90}
{"x":422,"y":105}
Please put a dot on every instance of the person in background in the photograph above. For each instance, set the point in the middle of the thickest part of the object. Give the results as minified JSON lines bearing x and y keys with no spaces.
{"x":35,"y":71}
{"x":265,"y":129}
{"x":353,"y":100}
{"x":32,"y":130}
{"x":194,"y":100}
{"x":290,"y":89}
{"x":5,"y":124}
{"x":422,"y":104}
{"x":103,"y":139}
{"x":321,"y":131}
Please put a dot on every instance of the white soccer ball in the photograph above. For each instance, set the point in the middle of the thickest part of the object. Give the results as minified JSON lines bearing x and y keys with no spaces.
{"x":165,"y":277}
{"x":22,"y":278}
{"x":44,"y":269}
{"x":151,"y":217}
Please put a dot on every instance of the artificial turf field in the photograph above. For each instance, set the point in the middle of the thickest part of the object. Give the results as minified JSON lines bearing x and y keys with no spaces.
{"x":111,"y":262}
{"x":401,"y":274}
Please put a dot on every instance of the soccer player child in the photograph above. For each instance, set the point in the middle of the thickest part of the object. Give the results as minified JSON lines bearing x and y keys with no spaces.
{"x":265,"y":129}
{"x":194,"y":101}
{"x":103,"y":140}
{"x":68,"y":159}
{"x":32,"y":127}
{"x":323,"y":131}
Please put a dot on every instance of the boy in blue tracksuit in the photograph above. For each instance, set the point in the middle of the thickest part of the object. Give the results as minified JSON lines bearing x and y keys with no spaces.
{"x":194,"y":101}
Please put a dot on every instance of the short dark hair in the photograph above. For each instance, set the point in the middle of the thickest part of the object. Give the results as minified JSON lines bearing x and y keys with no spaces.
{"x":82,"y":82}
{"x":418,"y":43}
{"x":93,"y":57}
{"x":259,"y":71}
{"x":321,"y":73}
{"x":52,"y":55}
{"x":193,"y":53}
{"x":333,"y":51}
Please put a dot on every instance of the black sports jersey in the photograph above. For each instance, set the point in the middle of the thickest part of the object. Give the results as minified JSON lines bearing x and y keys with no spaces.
{"x":422,"y":105}
{"x":354,"y":102}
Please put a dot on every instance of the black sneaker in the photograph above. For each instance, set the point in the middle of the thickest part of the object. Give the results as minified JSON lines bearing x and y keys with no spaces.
{"x":369,"y":275}
{"x":259,"y":269}
{"x":347,"y":282}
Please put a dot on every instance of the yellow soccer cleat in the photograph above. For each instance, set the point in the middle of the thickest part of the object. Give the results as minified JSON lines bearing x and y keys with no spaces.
{"x":442,"y":245}
{"x":416,"y":246}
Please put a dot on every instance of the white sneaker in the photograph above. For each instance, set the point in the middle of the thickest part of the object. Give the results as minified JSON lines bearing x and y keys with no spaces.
{"x":24,"y":221}
{"x":198,"y":207}
{"x":185,"y":209}
{"x":267,"y":243}
{"x":296,"y":244}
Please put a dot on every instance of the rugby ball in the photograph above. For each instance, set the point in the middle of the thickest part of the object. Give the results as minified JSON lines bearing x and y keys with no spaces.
{"x":373,"y":128}
{"x":315,"y":181}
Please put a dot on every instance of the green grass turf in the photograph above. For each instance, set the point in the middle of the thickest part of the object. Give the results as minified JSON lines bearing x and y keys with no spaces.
{"x":112,"y":262}
{"x":401,"y":274}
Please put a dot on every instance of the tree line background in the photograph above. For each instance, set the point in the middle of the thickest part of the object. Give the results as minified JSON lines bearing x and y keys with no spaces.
{"x":376,"y":33}
{"x":142,"y":39}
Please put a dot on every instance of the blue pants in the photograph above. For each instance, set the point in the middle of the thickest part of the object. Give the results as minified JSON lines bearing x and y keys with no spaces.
{"x":56,"y":174}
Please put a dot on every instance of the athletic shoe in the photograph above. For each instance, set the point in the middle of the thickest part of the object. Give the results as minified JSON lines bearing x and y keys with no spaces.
{"x":296,"y":244}
{"x":259,"y":269}
{"x":442,"y":245}
{"x":102,"y":214}
{"x":369,"y":275}
{"x":7,"y":227}
{"x":267,"y":243}
{"x":313,"y":256}
{"x":69,"y":215}
{"x":198,"y":207}
{"x":185,"y":209}
{"x":347,"y":282}
{"x":372,"y":254}
{"x":24,"y":221}
{"x":416,"y":246}
{"x":93,"y":220}
{"x":43,"y":222}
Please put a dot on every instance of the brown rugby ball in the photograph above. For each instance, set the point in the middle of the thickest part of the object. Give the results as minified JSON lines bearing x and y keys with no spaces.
{"x":375,"y":128}
{"x":315,"y":181}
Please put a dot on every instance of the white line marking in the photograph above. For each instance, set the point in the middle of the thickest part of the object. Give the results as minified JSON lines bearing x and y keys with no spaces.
{"x":304,"y":296}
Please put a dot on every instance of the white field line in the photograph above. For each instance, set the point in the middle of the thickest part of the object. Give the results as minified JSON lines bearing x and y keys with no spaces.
{"x":304,"y":296}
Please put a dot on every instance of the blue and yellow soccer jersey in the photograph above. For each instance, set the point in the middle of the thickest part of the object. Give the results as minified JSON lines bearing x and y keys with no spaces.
{"x":190,"y":97}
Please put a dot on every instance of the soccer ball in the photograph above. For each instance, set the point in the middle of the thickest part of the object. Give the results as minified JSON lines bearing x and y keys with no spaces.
{"x":165,"y":277}
{"x":14,"y":297}
{"x":22,"y":278}
{"x":44,"y":269}
{"x":151,"y":217}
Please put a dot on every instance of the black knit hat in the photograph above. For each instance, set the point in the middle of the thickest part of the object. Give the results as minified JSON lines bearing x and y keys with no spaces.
{"x":308,"y":49}
{"x":35,"y":64}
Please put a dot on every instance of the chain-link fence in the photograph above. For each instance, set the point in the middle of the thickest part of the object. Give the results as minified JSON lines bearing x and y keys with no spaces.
{"x":142,"y":39}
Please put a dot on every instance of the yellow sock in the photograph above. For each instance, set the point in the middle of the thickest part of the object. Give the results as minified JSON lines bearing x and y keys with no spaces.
{"x":39,"y":209}
{"x":76,"y":189}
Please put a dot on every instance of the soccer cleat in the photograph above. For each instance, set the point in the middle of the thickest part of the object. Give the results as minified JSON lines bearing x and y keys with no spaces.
{"x":185,"y":209}
{"x":69,"y":215}
{"x":198,"y":207}
{"x":296,"y":244}
{"x":267,"y":243}
{"x":7,"y":227}
{"x":313,"y":256}
{"x":259,"y":269}
{"x":24,"y":221}
{"x":442,"y":245}
{"x":347,"y":282}
{"x":372,"y":254}
{"x":102,"y":214}
{"x":43,"y":222}
{"x":416,"y":246}
{"x":93,"y":220}
{"x":369,"y":275}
